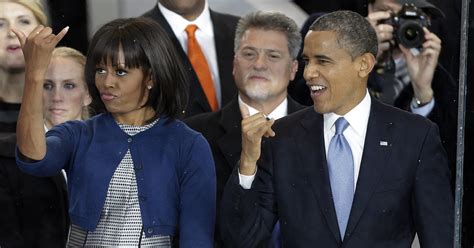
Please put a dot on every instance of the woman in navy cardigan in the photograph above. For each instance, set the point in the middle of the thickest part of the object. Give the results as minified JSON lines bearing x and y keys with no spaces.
{"x":136,"y":175}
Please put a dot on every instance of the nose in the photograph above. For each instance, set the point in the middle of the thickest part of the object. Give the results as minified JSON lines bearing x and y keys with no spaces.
{"x":108,"y":81}
{"x":10,"y":33}
{"x":260,"y":62}
{"x":57,"y":95}
{"x":310,"y":72}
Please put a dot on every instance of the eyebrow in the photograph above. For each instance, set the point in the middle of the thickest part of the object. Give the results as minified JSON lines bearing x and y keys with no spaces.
{"x":318,"y":56}
{"x":264,"y":49}
{"x":23,"y":16}
{"x":323,"y":57}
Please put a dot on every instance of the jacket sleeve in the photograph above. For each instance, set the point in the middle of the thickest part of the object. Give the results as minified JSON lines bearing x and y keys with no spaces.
{"x":59,"y":147}
{"x":248,"y":216}
{"x":197,"y":196}
{"x":433,"y":204}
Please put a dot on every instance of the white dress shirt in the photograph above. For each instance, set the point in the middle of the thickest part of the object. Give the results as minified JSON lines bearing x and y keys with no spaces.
{"x":358,"y":119}
{"x":204,"y":35}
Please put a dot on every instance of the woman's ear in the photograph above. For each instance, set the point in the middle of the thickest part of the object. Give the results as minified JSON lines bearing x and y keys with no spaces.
{"x":87,"y":99}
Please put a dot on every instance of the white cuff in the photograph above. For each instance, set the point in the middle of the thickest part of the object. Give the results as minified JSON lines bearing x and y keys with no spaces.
{"x":246,"y":181}
{"x":424,"y":110}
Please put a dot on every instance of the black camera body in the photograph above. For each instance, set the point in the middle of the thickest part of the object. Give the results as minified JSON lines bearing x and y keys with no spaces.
{"x":408,"y":26}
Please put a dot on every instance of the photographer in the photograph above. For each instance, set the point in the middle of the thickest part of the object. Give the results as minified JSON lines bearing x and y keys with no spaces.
{"x":407,"y":74}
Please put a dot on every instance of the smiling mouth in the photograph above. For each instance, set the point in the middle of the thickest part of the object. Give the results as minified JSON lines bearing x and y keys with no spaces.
{"x":317,"y":88}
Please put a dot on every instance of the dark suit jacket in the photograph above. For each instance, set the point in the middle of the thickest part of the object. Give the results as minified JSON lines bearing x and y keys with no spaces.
{"x":33,"y":210}
{"x":402,"y":188}
{"x":222,"y":129}
{"x":224,"y":33}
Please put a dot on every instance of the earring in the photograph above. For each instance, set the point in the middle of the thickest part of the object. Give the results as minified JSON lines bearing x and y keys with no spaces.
{"x":149,"y":87}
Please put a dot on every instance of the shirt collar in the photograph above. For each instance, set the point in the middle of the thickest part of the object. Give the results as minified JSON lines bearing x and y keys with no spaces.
{"x":280,"y":111}
{"x":179,"y":23}
{"x":358,"y":117}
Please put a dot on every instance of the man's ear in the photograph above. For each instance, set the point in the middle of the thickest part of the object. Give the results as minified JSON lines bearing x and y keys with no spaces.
{"x":293,"y":69}
{"x":366,"y":63}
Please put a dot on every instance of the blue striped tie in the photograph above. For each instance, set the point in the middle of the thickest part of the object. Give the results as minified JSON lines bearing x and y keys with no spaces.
{"x":341,"y":174}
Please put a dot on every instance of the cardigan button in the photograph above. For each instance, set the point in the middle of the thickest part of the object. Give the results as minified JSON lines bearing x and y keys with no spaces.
{"x":129,"y":140}
{"x":150,"y":230}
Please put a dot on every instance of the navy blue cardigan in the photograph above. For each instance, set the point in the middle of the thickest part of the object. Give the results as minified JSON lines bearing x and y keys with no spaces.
{"x":173,"y":165}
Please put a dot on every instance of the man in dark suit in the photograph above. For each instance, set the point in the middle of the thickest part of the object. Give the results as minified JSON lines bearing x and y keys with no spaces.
{"x":267,"y":44}
{"x":352,"y":172}
{"x":215,"y":35}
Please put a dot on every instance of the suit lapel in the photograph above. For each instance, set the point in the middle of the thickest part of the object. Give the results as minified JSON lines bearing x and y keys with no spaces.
{"x":230,"y":143}
{"x":376,"y":154}
{"x":314,"y":164}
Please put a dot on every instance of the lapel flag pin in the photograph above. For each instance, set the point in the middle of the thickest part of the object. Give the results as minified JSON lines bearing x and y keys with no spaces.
{"x":383,"y":143}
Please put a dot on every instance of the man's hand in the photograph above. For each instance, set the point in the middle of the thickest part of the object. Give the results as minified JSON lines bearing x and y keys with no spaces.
{"x":384,"y":31}
{"x":421,"y":67}
{"x":253,"y":129}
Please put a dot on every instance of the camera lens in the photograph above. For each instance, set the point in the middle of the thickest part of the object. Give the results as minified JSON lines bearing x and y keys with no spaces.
{"x":411,"y":34}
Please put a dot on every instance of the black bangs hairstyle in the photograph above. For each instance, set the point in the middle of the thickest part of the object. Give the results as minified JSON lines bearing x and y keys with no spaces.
{"x":146,"y":46}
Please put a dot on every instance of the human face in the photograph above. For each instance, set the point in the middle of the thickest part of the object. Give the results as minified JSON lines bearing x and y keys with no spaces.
{"x":189,"y":9}
{"x":263,"y":66}
{"x":332,"y":74}
{"x":123,"y":91}
{"x":64,"y":91}
{"x":385,"y":5}
{"x":13,"y":15}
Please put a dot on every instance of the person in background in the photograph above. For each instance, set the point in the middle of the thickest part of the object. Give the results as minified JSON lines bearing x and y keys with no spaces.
{"x":65,"y":94}
{"x":204,"y":40}
{"x":349,"y":172}
{"x":137,"y":176}
{"x":412,"y":78}
{"x":266,"y":46}
{"x":34,"y":209}
{"x":22,"y":15}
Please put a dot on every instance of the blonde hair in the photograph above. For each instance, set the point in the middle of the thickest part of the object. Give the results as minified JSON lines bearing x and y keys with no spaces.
{"x":78,"y":57}
{"x":67,"y":52}
{"x":36,"y":7}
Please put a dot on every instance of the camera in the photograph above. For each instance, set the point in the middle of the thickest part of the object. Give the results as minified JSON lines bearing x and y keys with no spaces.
{"x":408,"y":26}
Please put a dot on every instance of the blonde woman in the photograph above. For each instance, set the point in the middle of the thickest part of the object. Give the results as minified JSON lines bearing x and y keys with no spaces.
{"x":22,"y":15}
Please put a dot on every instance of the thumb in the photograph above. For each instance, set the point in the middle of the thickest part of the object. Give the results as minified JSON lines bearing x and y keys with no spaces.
{"x":20,"y":35}
{"x":244,"y":111}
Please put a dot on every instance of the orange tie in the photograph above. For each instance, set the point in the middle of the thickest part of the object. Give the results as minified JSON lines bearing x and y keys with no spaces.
{"x":199,"y":63}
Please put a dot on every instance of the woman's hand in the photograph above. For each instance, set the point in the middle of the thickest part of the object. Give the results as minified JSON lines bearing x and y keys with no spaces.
{"x":37,"y":49}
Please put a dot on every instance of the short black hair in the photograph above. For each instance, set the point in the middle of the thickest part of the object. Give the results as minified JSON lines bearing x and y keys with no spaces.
{"x":147,"y":46}
{"x":354,"y":33}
